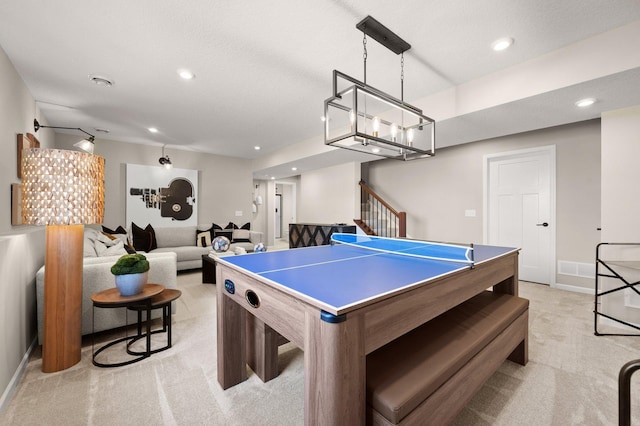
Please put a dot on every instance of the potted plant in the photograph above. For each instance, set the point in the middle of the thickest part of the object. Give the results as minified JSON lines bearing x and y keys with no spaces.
{"x":131,"y":272}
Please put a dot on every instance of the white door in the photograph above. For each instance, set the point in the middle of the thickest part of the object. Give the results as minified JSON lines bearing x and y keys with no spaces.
{"x":520,"y":199}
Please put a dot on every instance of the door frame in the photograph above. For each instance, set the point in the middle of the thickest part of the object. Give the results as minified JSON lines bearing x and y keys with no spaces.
{"x":278,"y":214}
{"x":549,"y":150}
{"x":293,"y":204}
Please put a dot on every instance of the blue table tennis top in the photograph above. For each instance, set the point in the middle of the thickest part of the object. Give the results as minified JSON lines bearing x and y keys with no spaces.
{"x":339,"y":277}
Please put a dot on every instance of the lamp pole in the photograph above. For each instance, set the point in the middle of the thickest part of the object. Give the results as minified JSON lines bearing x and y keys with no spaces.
{"x":62,"y":335}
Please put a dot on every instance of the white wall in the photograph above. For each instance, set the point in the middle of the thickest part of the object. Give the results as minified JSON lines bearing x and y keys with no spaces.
{"x":620,"y":200}
{"x":620,"y":175}
{"x":259,"y":218}
{"x":263,"y":219}
{"x":21,"y":247}
{"x":330,"y":195}
{"x":288,"y":204}
{"x":435,"y":192}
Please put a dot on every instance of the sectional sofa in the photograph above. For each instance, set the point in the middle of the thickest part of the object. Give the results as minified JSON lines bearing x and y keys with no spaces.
{"x":191,"y":242}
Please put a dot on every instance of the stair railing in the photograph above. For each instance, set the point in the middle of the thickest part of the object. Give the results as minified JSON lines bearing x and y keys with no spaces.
{"x":379,"y":217}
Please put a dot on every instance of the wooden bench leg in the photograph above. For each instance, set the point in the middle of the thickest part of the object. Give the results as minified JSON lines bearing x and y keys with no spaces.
{"x":520,"y":354}
{"x":262,"y":349}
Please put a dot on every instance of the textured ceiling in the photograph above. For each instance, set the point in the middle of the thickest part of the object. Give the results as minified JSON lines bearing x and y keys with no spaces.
{"x":263,"y":68}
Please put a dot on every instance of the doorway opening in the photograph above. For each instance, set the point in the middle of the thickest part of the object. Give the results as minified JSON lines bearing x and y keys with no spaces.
{"x":284,"y":210}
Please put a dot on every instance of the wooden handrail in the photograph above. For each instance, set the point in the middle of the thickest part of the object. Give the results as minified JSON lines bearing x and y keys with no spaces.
{"x":397,"y":224}
{"x":369,"y":191}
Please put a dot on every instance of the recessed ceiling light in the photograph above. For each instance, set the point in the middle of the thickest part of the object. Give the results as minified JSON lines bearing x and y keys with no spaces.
{"x":186,"y":74}
{"x":153,"y":130}
{"x":502,"y":44}
{"x":582,"y":103}
{"x":273,"y":177}
{"x":375,"y":150}
{"x":323,"y":118}
{"x":257,"y":148}
{"x":294,"y":168}
{"x":101,"y":80}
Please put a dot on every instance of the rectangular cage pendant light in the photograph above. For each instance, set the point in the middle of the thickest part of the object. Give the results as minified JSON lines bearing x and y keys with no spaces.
{"x":362,"y":118}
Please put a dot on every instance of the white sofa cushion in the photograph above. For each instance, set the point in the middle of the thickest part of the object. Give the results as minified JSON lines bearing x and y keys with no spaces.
{"x":90,"y":236}
{"x":105,"y":246}
{"x":115,"y":249}
{"x":97,"y":243}
{"x":176,"y":236}
{"x":185,"y":253}
{"x":241,"y":236}
{"x":203,"y":239}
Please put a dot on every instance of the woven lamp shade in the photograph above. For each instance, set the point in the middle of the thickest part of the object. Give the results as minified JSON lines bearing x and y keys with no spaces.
{"x":62,"y":187}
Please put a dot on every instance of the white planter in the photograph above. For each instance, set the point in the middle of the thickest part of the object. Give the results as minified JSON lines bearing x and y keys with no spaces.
{"x":131,"y":284}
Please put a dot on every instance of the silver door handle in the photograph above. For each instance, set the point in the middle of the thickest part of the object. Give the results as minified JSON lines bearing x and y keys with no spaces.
{"x":545,"y":224}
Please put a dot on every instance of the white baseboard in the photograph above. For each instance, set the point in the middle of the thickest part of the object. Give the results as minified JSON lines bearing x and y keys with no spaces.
{"x":11,"y":387}
{"x":574,"y":288}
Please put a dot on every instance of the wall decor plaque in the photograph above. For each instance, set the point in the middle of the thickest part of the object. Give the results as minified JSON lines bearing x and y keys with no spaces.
{"x":25,"y":142}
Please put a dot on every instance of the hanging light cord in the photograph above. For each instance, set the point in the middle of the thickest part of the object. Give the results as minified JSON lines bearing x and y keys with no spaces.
{"x":364,"y":55}
{"x":402,"y":77}
{"x":364,"y":60}
{"x":402,"y":92}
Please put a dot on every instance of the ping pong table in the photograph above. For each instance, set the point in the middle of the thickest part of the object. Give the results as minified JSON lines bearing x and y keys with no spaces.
{"x":340,"y":302}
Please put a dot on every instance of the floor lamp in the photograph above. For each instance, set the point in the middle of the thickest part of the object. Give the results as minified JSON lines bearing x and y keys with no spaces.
{"x":63,"y":190}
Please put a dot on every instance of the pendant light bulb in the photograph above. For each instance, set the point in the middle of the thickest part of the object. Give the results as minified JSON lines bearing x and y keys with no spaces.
{"x":394,"y":131}
{"x":410,"y":135}
{"x":376,"y":126}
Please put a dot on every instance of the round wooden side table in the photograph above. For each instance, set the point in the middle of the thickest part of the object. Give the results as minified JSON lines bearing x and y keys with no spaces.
{"x":111,"y":298}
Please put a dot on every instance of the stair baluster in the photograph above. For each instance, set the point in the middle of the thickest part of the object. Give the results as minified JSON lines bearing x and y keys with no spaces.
{"x":377,"y":217}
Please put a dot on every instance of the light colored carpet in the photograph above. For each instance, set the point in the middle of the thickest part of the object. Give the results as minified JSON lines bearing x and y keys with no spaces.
{"x":571,"y":378}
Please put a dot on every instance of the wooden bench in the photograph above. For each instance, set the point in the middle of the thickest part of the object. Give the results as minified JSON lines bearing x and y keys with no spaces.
{"x":428,"y":375}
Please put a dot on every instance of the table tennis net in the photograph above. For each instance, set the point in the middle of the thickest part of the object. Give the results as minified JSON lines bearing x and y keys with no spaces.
{"x":405,"y":247}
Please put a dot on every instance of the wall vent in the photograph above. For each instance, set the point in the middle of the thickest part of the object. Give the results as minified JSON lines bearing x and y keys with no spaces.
{"x":577,"y":269}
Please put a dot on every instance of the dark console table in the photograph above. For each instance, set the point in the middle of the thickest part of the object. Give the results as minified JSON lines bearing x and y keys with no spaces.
{"x":315,"y":234}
